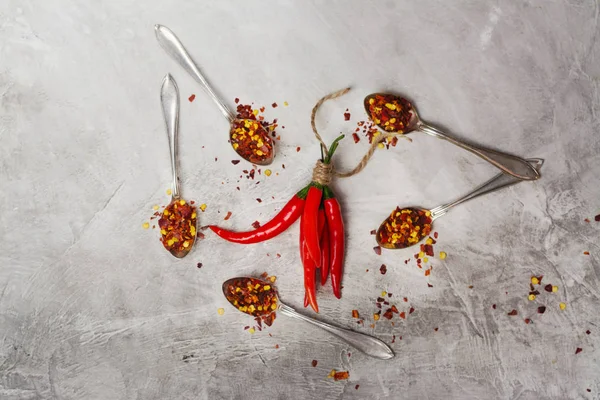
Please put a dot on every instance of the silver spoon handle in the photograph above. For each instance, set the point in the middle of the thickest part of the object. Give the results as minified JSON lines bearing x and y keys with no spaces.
{"x":169,"y":98}
{"x":366,"y":344}
{"x":508,"y":163}
{"x":171,"y":44}
{"x":497,"y":182}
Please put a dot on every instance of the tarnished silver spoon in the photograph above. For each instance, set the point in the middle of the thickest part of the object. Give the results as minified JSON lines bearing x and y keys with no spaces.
{"x":247,"y":136}
{"x":260,"y":299}
{"x":395,"y":114}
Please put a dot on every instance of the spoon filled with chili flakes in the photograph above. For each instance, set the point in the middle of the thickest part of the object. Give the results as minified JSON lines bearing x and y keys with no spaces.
{"x":406,"y":227}
{"x":178,"y":220}
{"x":247,"y":135}
{"x":395,"y":114}
{"x":260,"y":299}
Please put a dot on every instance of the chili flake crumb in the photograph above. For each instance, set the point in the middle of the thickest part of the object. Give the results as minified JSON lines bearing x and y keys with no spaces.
{"x":377,"y":250}
{"x":298,"y":149}
{"x":589,"y":390}
{"x":494,"y":306}
{"x":513,"y":313}
{"x":541,"y":309}
{"x":346,"y":115}
{"x":355,"y":314}
{"x":587,"y":332}
{"x":527,"y":320}
{"x":191,"y":98}
{"x":341,"y":376}
{"x":412,"y":310}
{"x":405,"y":227}
{"x":278,"y":255}
{"x":256,"y":224}
{"x":429,"y":285}
{"x":235,"y":162}
{"x":383,"y":269}
{"x":259,"y":200}
{"x":274,"y":105}
{"x":562,"y":306}
{"x":199,"y":265}
{"x":357,"y":386}
{"x":402,"y":315}
{"x":227,"y":216}
{"x":200,"y":235}
{"x":221,"y":311}
{"x":578,"y":350}
{"x":597,"y":218}
{"x":436,"y":329}
{"x":587,"y":253}
{"x":236,"y":100}
{"x":356,"y":138}
{"x":587,"y":220}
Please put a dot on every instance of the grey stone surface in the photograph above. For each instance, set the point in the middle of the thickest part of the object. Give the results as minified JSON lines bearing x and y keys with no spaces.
{"x":92,"y":307}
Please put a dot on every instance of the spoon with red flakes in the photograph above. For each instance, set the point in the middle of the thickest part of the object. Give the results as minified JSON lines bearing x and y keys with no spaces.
{"x":395,"y":114}
{"x":406,"y":227}
{"x":248,"y":137}
{"x":178,"y":220}
{"x":260,"y":299}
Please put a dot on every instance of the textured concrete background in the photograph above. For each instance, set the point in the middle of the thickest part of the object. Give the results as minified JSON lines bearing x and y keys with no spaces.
{"x":92,"y":307}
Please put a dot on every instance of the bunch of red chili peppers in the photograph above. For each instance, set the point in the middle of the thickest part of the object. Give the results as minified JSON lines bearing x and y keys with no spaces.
{"x":321,"y":233}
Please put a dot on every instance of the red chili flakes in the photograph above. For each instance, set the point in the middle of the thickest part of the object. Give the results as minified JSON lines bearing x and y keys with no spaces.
{"x":587,"y":220}
{"x":235,"y":162}
{"x":259,"y":200}
{"x":314,"y":363}
{"x":249,"y":137}
{"x":237,"y":100}
{"x":597,"y":218}
{"x":200,"y":236}
{"x":527,"y":321}
{"x":436,"y":329}
{"x":548,"y":288}
{"x":178,"y":226}
{"x":513,"y":313}
{"x":377,"y":250}
{"x":383,"y":269}
{"x":278,"y":255}
{"x":587,"y":332}
{"x":435,"y":235}
{"x":355,"y":137}
{"x":402,"y":315}
{"x":357,"y":386}
{"x":346,"y":115}
{"x":298,"y":149}
{"x":587,"y":253}
{"x":355,"y":314}
{"x":373,"y":232}
{"x":391,"y":113}
{"x":541,"y":309}
{"x":274,"y":105}
{"x":256,"y":224}
{"x":199,"y":265}
{"x":341,"y":376}
{"x":405,"y":227}
{"x":412,"y":310}
{"x":388,"y":314}
{"x":428,"y":272}
{"x":227,"y":216}
{"x":429,"y":285}
{"x":578,"y":350}
{"x":254,"y":297}
{"x":276,"y":346}
{"x":494,"y":306}
{"x":192,"y":98}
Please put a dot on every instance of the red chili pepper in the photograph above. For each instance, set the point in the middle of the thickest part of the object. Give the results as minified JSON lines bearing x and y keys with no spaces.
{"x":311,"y":221}
{"x":324,"y":247}
{"x":283,"y":220}
{"x":336,"y":240}
{"x":310,"y":287}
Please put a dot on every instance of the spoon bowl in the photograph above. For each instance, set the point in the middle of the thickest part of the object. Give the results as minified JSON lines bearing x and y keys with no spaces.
{"x":399,"y":232}
{"x":254,"y":292}
{"x":382,"y":108}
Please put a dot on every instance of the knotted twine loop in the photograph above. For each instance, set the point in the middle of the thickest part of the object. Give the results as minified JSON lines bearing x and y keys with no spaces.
{"x":323,"y":172}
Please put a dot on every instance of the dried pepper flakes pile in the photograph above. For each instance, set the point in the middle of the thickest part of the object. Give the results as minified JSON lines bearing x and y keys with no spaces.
{"x":369,"y":129}
{"x":392,"y":113}
{"x":178,"y":225}
{"x":255,"y":297}
{"x":250,"y":135}
{"x":404,"y":227}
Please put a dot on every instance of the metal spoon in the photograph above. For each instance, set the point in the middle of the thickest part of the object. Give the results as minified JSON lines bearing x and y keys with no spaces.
{"x":171,"y":44}
{"x":369,"y":345}
{"x":508,"y":163}
{"x":497,"y":182}
{"x":169,"y":98}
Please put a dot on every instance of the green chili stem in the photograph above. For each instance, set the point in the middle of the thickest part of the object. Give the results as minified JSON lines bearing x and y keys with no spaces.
{"x":332,"y":149}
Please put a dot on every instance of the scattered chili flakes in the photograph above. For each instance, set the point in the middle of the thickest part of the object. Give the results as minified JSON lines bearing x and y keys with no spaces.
{"x":341,"y":376}
{"x":541,"y":309}
{"x":587,"y":253}
{"x":191,"y":98}
{"x":588,"y":332}
{"x":346,"y":115}
{"x":405,"y":227}
{"x":298,"y":149}
{"x":392,"y":113}
{"x":200,"y":235}
{"x":578,"y":350}
{"x":355,"y":137}
{"x":355,"y":314}
{"x":513,"y":313}
{"x":256,"y":224}
{"x":548,"y":288}
{"x":527,"y":320}
{"x":259,"y":200}
{"x":228,"y":215}
{"x":357,"y":386}
{"x":383,"y":269}
{"x":314,"y":363}
{"x":597,"y":218}
{"x":494,"y":306}
{"x":377,"y":250}
{"x":412,"y":310}
{"x":429,"y":285}
{"x":402,"y":315}
{"x":235,"y":162}
{"x":178,"y":226}
{"x":199,"y":265}
{"x":436,"y":329}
